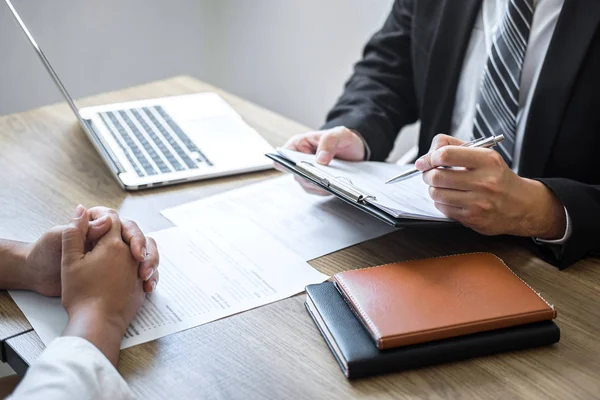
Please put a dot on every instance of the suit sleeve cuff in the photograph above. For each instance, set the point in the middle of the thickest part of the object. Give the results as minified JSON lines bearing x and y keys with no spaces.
{"x":583,"y":204}
{"x":566,"y":236}
{"x":367,"y":148}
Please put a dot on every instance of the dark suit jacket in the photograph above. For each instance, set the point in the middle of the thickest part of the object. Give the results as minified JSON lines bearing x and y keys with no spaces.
{"x":410,"y":71}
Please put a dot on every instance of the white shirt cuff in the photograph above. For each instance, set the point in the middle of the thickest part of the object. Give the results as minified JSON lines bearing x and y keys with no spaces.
{"x":72,"y":368}
{"x":566,"y":236}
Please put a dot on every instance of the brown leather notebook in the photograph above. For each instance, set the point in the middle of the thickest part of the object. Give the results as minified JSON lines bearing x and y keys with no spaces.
{"x":420,"y":301}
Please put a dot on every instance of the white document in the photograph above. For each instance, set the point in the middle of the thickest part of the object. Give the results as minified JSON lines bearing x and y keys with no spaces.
{"x":407,"y":199}
{"x":280,"y":210}
{"x":205,"y":275}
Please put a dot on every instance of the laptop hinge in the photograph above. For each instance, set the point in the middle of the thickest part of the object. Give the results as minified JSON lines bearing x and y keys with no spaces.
{"x":105,"y":149}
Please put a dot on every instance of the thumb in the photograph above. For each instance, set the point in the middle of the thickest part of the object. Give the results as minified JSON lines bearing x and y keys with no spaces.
{"x":442,"y":140}
{"x":74,"y":236}
{"x":329,"y":145}
{"x":424,"y":163}
{"x":98,"y":228}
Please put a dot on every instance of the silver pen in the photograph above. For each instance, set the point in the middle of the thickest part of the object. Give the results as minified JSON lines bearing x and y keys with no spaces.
{"x":487,"y":142}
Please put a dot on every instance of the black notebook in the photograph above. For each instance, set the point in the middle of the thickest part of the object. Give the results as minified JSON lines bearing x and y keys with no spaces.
{"x":358,"y":356}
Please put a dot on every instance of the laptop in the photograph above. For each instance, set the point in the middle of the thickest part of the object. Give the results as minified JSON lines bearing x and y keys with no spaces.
{"x":168,"y":140}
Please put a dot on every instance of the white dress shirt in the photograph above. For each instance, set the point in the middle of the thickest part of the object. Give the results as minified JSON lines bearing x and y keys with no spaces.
{"x":72,"y":368}
{"x":490,"y":17}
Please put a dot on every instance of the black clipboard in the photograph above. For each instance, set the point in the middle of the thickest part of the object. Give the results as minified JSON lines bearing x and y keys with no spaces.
{"x":348,"y":193}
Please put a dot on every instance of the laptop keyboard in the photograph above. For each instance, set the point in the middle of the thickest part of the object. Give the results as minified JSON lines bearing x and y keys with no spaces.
{"x":152,"y":142}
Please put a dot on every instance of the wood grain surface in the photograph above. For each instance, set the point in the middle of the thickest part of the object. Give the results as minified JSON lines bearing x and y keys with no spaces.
{"x":276,"y":352}
{"x":48,"y":166}
{"x":12,"y":321}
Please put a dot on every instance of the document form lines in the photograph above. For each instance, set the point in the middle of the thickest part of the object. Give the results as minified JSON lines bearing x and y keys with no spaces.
{"x":217,"y":279}
{"x":311,"y":226}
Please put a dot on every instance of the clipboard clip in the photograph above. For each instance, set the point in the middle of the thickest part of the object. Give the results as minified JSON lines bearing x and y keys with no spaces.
{"x":339,"y":184}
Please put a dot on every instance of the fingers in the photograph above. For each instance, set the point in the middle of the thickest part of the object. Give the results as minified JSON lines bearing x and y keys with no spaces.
{"x":336,"y":140}
{"x":135,"y":238}
{"x":145,"y":251}
{"x":150,"y":285}
{"x":450,"y":197}
{"x":470,"y":158}
{"x":450,"y":179}
{"x":454,"y":213}
{"x":454,"y":156}
{"x":148,"y":268}
{"x":439,"y":141}
{"x":304,"y":143}
{"x":442,"y":140}
{"x":95,"y":213}
{"x":103,"y":219}
{"x":74,"y":236}
{"x":98,"y":228}
{"x":339,"y":142}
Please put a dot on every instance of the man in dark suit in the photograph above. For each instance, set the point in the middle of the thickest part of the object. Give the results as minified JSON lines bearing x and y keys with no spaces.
{"x":527,"y":69}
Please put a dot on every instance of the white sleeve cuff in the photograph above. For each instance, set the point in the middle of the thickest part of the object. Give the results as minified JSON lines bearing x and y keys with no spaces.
{"x":565,"y":237}
{"x":72,"y":368}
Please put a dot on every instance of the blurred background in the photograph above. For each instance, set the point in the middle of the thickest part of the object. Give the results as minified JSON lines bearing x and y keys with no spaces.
{"x":292,"y":57}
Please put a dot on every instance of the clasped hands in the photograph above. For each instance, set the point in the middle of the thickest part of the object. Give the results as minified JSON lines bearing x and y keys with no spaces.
{"x":480,"y":191}
{"x":41,"y":267}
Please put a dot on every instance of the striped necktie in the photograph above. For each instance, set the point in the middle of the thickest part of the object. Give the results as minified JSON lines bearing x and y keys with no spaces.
{"x":498,"y":105}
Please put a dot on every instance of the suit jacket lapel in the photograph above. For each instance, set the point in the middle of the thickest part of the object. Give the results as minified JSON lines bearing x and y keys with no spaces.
{"x":447,"y":56}
{"x":574,"y":31}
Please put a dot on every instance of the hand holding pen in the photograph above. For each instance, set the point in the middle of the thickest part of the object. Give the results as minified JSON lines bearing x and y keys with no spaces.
{"x":481,"y":142}
{"x":483,"y":193}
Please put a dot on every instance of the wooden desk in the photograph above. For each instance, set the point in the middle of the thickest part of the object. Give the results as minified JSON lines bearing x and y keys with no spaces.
{"x":276,"y":351}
